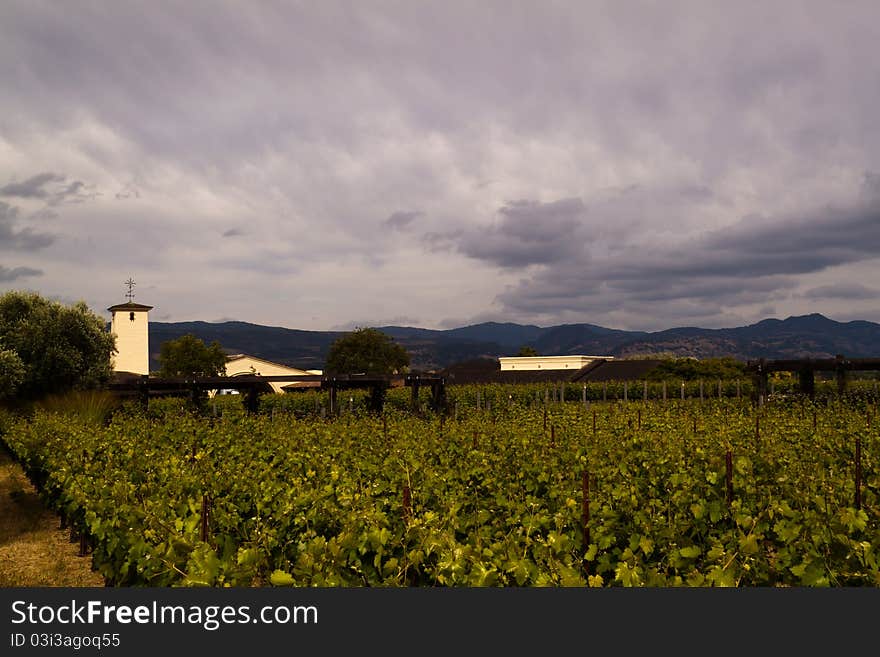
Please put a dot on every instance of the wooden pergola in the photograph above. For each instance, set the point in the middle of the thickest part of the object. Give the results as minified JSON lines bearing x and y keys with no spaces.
{"x":806,"y":369}
{"x":252,"y":385}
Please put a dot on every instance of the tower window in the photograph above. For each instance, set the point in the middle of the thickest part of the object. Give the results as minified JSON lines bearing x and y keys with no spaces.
{"x":131,"y":316}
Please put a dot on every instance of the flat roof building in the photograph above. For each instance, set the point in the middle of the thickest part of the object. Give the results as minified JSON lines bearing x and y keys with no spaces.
{"x":528,"y":363}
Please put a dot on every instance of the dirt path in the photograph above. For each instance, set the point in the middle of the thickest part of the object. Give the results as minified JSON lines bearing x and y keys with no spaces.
{"x":33,"y":550}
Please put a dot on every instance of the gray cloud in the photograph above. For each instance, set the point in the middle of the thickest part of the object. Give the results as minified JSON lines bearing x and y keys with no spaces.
{"x":671,"y":173}
{"x":128,"y":191}
{"x":528,"y":233}
{"x":8,"y":275}
{"x":751,"y":262}
{"x":399,"y":320}
{"x":443,"y":241}
{"x":51,"y":188}
{"x":74,"y":192}
{"x":841,"y":291}
{"x":44,"y":214}
{"x":25,"y":239}
{"x":401,"y":220}
{"x":33,"y":187}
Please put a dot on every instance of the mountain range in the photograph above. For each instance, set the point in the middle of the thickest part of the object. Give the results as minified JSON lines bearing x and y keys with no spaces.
{"x":806,"y":336}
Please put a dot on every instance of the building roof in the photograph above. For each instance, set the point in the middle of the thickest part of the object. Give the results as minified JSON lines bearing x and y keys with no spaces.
{"x":129,"y":305}
{"x":565,"y":362}
{"x":293,"y":370}
{"x":615,"y":370}
{"x":488,"y":370}
{"x":477,"y":370}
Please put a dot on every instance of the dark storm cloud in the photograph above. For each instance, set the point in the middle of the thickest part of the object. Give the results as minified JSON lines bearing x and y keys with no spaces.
{"x":9,"y":275}
{"x":75,"y":192}
{"x":25,"y":239}
{"x":33,"y":187}
{"x":528,"y":233}
{"x":400,"y":220}
{"x":726,"y":289}
{"x":49,"y":187}
{"x":758,"y":246}
{"x":640,"y":136}
{"x":756,"y":260}
{"x":841,"y":291}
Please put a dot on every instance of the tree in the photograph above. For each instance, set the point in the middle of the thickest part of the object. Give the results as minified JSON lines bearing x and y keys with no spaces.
{"x":60,"y":347}
{"x":12,"y":373}
{"x":368,"y":351}
{"x":190,"y":356}
{"x":691,"y":369}
{"x":525,"y":350}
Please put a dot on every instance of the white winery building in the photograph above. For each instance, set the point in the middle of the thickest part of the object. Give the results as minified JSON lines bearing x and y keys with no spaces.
{"x":130,"y":326}
{"x":531,"y":363}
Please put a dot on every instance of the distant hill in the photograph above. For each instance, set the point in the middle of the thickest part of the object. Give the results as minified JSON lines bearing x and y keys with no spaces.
{"x":807,"y":336}
{"x":304,"y":349}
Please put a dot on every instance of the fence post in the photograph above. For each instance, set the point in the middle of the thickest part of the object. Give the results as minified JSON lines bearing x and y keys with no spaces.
{"x":414,"y":386}
{"x":407,"y":505}
{"x":332,"y":397}
{"x":585,"y":508}
{"x":858,"y":499}
{"x":728,"y":461}
{"x":203,"y":525}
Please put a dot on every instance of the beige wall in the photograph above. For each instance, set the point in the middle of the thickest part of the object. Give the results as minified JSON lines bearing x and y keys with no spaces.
{"x":526,"y":363}
{"x":251,"y":365}
{"x":132,"y":342}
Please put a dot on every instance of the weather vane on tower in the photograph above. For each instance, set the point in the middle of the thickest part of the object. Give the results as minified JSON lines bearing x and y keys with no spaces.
{"x":131,"y":284}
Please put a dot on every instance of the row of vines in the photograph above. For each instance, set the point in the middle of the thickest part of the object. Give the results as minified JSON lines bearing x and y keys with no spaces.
{"x":499,"y":396}
{"x":675,"y":493}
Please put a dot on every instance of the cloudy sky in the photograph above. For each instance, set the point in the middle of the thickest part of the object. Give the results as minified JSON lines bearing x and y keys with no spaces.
{"x":319,"y":165}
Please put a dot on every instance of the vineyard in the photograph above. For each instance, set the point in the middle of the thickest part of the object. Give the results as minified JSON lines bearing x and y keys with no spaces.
{"x":515,"y":486}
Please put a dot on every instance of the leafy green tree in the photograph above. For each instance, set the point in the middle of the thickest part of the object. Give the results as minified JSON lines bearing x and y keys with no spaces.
{"x":60,"y":347}
{"x":527,"y":351}
{"x":190,"y":356}
{"x":12,"y":373}
{"x":691,"y":369}
{"x":366,"y":350}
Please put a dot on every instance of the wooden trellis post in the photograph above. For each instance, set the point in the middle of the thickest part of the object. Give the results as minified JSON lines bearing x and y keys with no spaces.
{"x":585,"y":508}
{"x":203,"y":524}
{"x":407,"y":505}
{"x":728,"y":461}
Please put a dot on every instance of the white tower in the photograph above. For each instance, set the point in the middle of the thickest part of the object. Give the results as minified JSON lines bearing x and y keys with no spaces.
{"x":130,"y":326}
